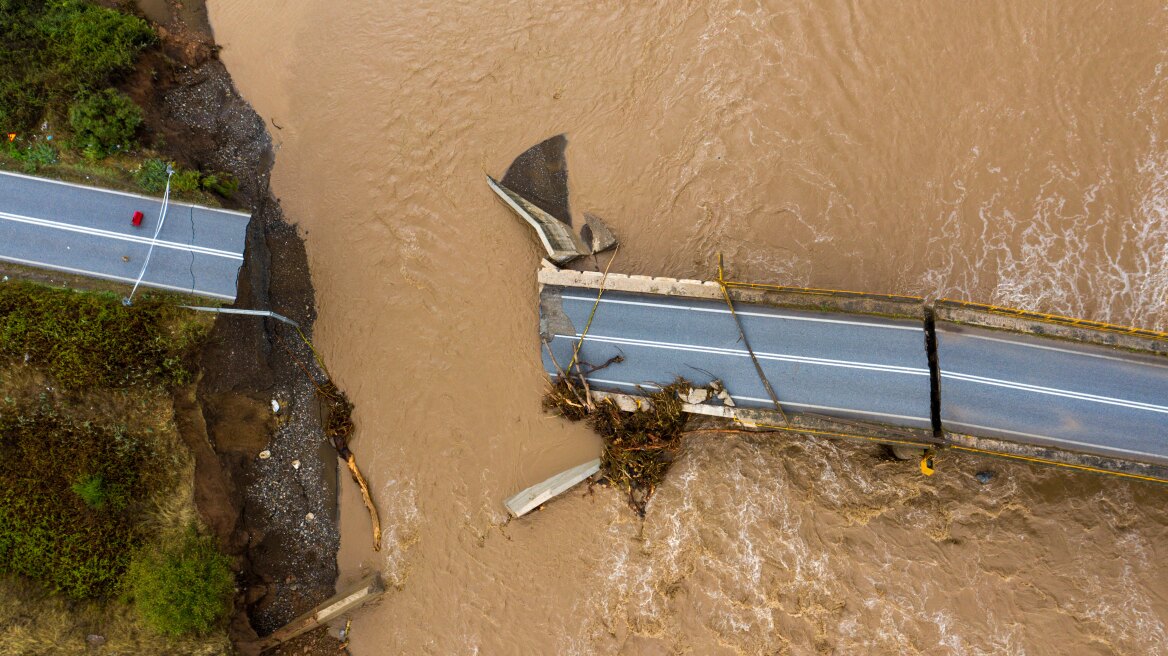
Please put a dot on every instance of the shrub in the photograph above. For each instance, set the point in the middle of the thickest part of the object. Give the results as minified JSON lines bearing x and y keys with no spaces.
{"x":59,"y":538}
{"x":38,"y":155}
{"x":90,"y":489}
{"x":104,"y":122}
{"x":182,"y":588}
{"x":52,"y":51}
{"x":151,"y":175}
{"x":185,"y":180}
{"x":221,"y":183}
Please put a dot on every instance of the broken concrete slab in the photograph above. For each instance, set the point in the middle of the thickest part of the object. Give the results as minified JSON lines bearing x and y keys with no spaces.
{"x":539,"y":494}
{"x":561,"y":244}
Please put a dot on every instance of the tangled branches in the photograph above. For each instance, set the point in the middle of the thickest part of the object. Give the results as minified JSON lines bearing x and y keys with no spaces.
{"x":639,"y":446}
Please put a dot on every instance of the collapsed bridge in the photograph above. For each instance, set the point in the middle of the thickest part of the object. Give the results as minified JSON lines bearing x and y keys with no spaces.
{"x":893,"y":369}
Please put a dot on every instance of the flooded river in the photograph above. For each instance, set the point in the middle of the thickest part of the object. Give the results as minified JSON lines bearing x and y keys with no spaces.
{"x":1015,"y":153}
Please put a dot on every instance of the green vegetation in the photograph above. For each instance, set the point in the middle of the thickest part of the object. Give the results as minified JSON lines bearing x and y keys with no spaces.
{"x":151,"y":176}
{"x":91,"y":490}
{"x":55,"y":50}
{"x":75,"y":545}
{"x":104,"y":122}
{"x":182,"y":588}
{"x":96,"y":494}
{"x":84,"y":340}
{"x":639,"y":446}
{"x":59,"y":64}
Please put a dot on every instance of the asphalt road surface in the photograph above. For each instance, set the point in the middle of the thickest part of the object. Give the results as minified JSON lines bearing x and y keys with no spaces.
{"x":850,"y":366}
{"x":88,"y":231}
{"x":1053,"y":392}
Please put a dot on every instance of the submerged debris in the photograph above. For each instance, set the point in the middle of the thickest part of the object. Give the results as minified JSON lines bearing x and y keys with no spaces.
{"x":639,"y":446}
{"x":338,"y":426}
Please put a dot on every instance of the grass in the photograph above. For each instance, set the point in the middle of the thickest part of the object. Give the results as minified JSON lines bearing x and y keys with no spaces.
{"x":35,"y":621}
{"x":640,"y":446}
{"x":78,"y":544}
{"x":57,"y":50}
{"x":91,"y":339}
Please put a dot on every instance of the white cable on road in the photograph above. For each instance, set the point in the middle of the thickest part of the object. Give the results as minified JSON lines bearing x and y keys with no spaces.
{"x":129,"y":300}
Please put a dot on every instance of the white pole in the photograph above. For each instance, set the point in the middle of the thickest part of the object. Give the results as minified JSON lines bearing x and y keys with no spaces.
{"x":129,"y":300}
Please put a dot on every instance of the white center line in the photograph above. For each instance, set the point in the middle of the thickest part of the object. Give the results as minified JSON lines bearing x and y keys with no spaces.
{"x":745,"y":313}
{"x":762,"y":355}
{"x":107,"y":234}
{"x":1054,"y":391}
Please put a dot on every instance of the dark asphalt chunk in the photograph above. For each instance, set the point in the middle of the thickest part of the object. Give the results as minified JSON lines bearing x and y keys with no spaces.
{"x":540,"y":175}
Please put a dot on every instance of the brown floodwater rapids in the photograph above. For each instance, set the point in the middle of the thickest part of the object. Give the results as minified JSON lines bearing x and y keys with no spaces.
{"x":1006,"y":152}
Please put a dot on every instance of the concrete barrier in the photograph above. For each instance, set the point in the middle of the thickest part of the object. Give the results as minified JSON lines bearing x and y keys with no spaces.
{"x":352,"y":598}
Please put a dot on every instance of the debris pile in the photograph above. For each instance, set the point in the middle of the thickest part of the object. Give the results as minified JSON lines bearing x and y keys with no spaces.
{"x":639,"y":446}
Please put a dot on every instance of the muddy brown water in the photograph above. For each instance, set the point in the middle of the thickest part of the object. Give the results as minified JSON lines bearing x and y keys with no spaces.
{"x":1005,"y":152}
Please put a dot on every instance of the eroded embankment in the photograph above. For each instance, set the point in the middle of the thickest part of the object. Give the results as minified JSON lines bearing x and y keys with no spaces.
{"x":276,"y":514}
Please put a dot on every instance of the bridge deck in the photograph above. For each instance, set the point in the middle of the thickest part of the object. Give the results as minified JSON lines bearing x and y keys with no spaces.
{"x":1050,"y":392}
{"x":856,"y":367}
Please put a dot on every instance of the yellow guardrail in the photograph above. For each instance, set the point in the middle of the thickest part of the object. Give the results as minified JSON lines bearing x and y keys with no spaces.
{"x":957,"y":447}
{"x":1056,"y":319}
{"x":821,"y":292}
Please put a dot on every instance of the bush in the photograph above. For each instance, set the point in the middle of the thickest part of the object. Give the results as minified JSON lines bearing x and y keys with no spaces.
{"x":52,"y":536}
{"x":223,"y":184}
{"x":151,"y":175}
{"x":53,"y":51}
{"x":185,"y":180}
{"x":33,"y":157}
{"x":104,"y":122}
{"x":88,"y":340}
{"x":183,"y":588}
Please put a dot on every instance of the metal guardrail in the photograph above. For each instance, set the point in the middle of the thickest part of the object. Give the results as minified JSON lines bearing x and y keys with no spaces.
{"x":1015,"y":313}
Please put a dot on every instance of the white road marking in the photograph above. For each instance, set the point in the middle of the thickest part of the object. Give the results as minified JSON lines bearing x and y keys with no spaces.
{"x":1091,"y":445}
{"x":768,"y":402}
{"x":107,"y":276}
{"x":121,"y":193}
{"x":1027,"y":344}
{"x":107,"y":234}
{"x":1054,"y":391}
{"x":762,"y":355}
{"x":766,"y":315}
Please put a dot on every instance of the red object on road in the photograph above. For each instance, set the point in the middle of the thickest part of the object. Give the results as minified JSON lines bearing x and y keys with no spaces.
{"x":137,"y":221}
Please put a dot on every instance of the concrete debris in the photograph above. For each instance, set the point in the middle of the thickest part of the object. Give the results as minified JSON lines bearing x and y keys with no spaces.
{"x":535,"y":187}
{"x":719,"y":391}
{"x":596,"y":235}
